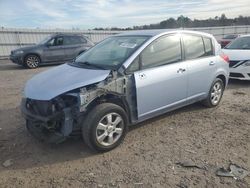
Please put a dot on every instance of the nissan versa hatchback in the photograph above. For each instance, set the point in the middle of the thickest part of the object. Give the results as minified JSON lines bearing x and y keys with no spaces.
{"x":121,"y":81}
{"x":57,"y":48}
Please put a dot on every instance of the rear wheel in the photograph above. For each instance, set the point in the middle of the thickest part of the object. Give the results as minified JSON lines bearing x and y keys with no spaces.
{"x":215,"y":94}
{"x":105,"y":127}
{"x":32,"y":61}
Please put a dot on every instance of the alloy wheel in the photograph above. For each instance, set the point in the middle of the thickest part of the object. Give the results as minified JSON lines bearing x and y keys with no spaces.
{"x":216,"y":93}
{"x":32,"y":61}
{"x":109,"y":129}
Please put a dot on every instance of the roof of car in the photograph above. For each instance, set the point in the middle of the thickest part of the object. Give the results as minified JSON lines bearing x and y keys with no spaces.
{"x":67,"y":34}
{"x":156,"y":32}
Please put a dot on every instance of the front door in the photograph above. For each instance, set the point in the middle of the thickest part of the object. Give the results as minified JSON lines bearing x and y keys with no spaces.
{"x":161,"y":84}
{"x":54,"y":50}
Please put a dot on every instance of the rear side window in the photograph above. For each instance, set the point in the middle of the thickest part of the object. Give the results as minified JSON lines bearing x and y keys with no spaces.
{"x":164,"y":50}
{"x":194,"y":47}
{"x":70,"y":40}
{"x":208,"y":46}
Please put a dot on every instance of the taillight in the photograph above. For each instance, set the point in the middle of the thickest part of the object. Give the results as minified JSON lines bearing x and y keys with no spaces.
{"x":225,"y":57}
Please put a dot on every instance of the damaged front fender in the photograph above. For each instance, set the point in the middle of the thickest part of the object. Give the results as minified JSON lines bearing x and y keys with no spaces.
{"x":113,"y":85}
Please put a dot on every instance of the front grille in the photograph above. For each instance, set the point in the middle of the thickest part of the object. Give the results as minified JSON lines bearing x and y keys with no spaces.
{"x":236,"y":75}
{"x":232,"y":63}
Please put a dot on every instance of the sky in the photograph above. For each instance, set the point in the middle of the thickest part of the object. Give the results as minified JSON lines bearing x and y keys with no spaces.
{"x":88,"y":14}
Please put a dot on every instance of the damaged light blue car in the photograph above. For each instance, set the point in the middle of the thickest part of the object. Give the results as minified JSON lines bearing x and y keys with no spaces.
{"x":123,"y":80}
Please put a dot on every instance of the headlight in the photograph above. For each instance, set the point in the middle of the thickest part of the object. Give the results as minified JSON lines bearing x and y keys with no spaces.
{"x":246,"y":63}
{"x":18,"y":52}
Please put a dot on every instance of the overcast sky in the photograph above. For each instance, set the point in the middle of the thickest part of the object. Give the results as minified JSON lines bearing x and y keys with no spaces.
{"x":87,"y":14}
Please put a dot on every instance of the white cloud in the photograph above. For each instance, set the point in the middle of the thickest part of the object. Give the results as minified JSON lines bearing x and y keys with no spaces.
{"x":108,"y":13}
{"x":43,"y":9}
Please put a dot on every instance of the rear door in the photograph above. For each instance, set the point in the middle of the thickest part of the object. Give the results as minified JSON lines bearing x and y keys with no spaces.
{"x":72,"y":45}
{"x":54,"y":51}
{"x":162,"y":81}
{"x":201,"y":62}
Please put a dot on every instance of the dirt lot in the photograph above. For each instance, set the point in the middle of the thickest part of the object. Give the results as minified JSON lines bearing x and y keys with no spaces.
{"x":212,"y":138}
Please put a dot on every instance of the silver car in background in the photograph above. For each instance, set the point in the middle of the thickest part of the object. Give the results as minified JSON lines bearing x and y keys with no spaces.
{"x":123,"y":80}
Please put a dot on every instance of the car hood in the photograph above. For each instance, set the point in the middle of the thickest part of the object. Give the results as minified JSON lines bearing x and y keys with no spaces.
{"x":237,"y":55}
{"x":61,"y":79}
{"x":26,"y":48}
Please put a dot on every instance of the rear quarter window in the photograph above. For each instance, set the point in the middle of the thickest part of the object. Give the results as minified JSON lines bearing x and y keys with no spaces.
{"x":208,"y":46}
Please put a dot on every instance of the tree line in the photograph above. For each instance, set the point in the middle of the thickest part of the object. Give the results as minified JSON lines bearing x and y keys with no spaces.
{"x":185,"y":22}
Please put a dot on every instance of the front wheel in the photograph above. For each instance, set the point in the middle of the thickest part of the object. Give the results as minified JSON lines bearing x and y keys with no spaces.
{"x":32,"y":61}
{"x":215,"y":93}
{"x":105,"y":127}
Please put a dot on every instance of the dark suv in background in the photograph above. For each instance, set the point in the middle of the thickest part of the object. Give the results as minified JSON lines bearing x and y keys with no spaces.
{"x":57,"y":48}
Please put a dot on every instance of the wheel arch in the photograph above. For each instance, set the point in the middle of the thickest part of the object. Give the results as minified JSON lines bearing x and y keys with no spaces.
{"x":111,"y":98}
{"x":32,"y":53}
{"x":223,"y":78}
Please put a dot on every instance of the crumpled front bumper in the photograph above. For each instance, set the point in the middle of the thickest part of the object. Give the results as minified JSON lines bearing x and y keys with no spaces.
{"x":33,"y":117}
{"x":41,"y":133}
{"x":38,"y":125}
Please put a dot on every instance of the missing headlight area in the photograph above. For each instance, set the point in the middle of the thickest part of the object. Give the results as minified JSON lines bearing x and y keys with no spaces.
{"x":55,"y":120}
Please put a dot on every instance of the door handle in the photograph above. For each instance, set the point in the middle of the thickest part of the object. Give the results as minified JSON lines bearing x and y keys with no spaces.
{"x":142,"y":76}
{"x":211,"y":63}
{"x":181,"y":70}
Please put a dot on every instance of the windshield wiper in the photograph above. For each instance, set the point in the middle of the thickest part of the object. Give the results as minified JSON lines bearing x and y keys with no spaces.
{"x":90,"y":64}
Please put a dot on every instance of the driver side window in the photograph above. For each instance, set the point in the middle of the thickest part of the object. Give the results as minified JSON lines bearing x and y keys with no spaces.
{"x":162,"y":51}
{"x":58,"y":41}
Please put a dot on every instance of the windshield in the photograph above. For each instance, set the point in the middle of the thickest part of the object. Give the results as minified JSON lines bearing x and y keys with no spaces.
{"x":112,"y":52}
{"x":240,"y":43}
{"x":46,"y":39}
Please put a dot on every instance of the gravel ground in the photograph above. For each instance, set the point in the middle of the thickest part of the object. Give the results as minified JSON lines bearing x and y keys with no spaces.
{"x":211,"y":138}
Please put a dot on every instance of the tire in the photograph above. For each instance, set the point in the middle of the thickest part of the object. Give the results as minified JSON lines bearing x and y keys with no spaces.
{"x":32,"y":61}
{"x":105,"y":127}
{"x":215,"y":94}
